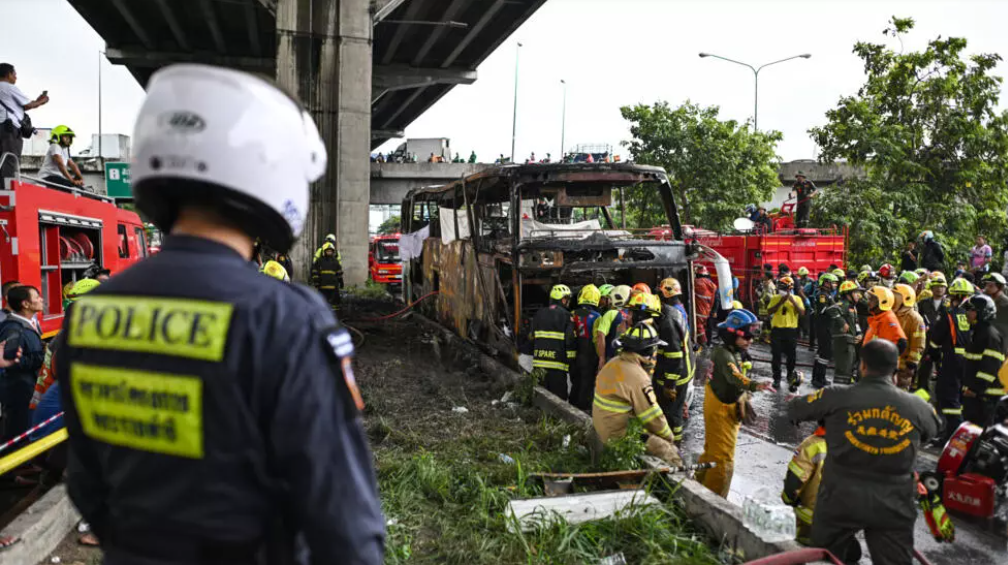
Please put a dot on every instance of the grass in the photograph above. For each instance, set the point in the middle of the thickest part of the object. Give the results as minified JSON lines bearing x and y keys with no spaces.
{"x":370,"y":290}
{"x":447,"y":505}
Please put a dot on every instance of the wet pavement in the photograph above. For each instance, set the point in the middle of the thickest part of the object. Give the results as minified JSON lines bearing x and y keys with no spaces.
{"x":764,"y":449}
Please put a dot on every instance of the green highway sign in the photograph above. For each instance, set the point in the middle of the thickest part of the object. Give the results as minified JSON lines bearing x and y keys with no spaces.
{"x":117,"y":180}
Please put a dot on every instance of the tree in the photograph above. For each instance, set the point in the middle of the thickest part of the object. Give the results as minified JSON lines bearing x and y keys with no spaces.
{"x":715,"y":167}
{"x":925,"y":127}
{"x":390,"y":225}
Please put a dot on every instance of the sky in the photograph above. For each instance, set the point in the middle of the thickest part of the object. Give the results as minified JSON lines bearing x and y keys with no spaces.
{"x":609,"y":53}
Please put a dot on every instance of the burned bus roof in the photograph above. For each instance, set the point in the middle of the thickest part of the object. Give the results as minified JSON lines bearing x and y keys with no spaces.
{"x":540,"y":173}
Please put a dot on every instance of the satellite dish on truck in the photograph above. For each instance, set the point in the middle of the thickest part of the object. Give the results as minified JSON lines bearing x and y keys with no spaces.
{"x":743,"y":224}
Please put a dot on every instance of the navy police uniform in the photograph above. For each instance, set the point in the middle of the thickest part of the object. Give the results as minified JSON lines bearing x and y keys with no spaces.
{"x":231,"y":393}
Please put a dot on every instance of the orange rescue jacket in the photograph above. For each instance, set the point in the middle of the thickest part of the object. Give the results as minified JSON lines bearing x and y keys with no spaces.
{"x":885,"y":325}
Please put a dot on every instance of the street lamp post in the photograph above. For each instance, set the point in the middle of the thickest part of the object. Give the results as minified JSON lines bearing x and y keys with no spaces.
{"x":514,"y":115}
{"x":563,"y":119}
{"x":755,"y":71}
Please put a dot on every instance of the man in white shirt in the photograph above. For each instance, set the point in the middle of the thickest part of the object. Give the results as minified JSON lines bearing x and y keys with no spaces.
{"x":13,"y":104}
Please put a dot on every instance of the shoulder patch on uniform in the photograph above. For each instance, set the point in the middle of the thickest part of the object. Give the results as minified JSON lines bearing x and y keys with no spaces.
{"x":341,"y":344}
{"x":650,"y":395}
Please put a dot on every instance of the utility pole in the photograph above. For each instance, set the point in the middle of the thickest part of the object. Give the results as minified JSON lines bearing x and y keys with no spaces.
{"x":563,"y":119}
{"x":755,"y":71}
{"x":514,"y":115}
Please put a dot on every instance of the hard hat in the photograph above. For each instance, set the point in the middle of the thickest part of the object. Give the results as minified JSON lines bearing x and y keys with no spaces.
{"x":67,"y":287}
{"x":276,"y":270}
{"x":908,"y":277}
{"x":937,"y":279}
{"x":802,"y":271}
{"x":787,"y":283}
{"x":995,"y":278}
{"x":589,"y":295}
{"x":865,"y":268}
{"x":642,"y":338}
{"x":605,"y":289}
{"x":862,"y":277}
{"x":884,"y":296}
{"x":82,"y":287}
{"x":60,"y":131}
{"x":927,"y":235}
{"x":330,"y":237}
{"x":830,"y":277}
{"x":670,"y":287}
{"x":961,"y":287}
{"x":740,"y":322}
{"x":210,"y":134}
{"x":886,"y":271}
{"x":983,"y":305}
{"x":327,"y":246}
{"x":643,"y":287}
{"x":736,"y":305}
{"x":559,"y":292}
{"x":701,"y":270}
{"x":848,"y":287}
{"x":908,"y":294}
{"x":655,"y":305}
{"x":643,"y":302}
{"x":922,"y":272}
{"x":619,"y":295}
{"x":839,"y":273}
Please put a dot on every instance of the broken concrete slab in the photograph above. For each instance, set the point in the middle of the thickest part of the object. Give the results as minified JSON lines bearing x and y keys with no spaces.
{"x":532,"y":513}
{"x":40,"y":528}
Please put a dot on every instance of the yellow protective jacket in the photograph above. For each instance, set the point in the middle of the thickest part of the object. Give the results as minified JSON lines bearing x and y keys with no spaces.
{"x":801,"y":485}
{"x":623,"y":389}
{"x":916,"y":332}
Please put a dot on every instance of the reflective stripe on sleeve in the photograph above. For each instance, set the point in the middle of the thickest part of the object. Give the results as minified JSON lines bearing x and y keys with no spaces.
{"x":612,"y":405}
{"x":650,"y":414}
{"x":544,"y":364}
{"x":995,"y":392}
{"x":673,"y":354}
{"x":541,"y":334}
{"x":995,"y":354}
{"x":970,"y":356}
{"x":985,"y":376}
{"x":952,"y":411}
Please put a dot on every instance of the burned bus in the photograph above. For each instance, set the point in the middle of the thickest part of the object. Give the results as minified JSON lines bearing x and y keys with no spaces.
{"x":491,"y":245}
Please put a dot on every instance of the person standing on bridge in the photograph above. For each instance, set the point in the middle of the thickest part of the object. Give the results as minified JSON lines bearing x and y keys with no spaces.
{"x":873,"y":433}
{"x":804,"y":190}
{"x":220,"y":420}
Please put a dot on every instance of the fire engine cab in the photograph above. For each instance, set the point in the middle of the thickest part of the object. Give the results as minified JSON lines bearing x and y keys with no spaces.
{"x":52,"y":237}
{"x":383,"y":260}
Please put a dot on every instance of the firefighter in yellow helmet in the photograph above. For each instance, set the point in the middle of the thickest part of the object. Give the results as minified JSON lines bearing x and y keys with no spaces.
{"x":801,"y":484}
{"x":327,"y":275}
{"x":276,"y":270}
{"x":913,"y":326}
{"x":676,"y":364}
{"x":726,"y":399}
{"x":623,"y":390}
{"x":583,"y":369}
{"x":554,"y":346}
{"x":845,"y":331}
{"x":948,"y":338}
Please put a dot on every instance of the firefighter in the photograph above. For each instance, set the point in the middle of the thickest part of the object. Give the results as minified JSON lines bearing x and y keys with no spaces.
{"x":329,"y":239}
{"x":285,"y":261}
{"x":623,"y":390}
{"x":983,"y":359}
{"x":882,"y":321}
{"x":887,"y":275}
{"x":585,"y":366}
{"x":676,"y":363}
{"x":931,"y":304}
{"x":801,"y":484}
{"x":993,"y":286}
{"x":845,"y":332}
{"x":800,"y":285}
{"x":725,"y":400}
{"x":241,"y":390}
{"x":611,"y":324}
{"x":913,"y":327}
{"x":804,"y":190}
{"x":784,"y":310}
{"x":705,"y":291}
{"x":873,"y":434}
{"x":327,"y":275}
{"x":553,"y":343}
{"x":823,"y":300}
{"x":767,"y":290}
{"x":947,"y":341}
{"x":276,"y":270}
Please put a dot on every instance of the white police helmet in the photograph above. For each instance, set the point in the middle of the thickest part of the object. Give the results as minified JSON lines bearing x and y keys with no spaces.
{"x":228,"y":140}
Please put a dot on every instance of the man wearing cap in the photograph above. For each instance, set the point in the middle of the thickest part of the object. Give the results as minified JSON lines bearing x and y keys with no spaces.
{"x":804,"y":190}
{"x":993,"y":286}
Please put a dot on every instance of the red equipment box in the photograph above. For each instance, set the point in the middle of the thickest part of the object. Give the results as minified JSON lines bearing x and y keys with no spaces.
{"x":970,"y":494}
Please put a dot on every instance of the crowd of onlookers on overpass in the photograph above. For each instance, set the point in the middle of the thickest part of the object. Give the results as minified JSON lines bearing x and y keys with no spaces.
{"x":574,"y":157}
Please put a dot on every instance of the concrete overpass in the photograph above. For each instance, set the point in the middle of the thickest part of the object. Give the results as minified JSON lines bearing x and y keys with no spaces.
{"x":391,"y":181}
{"x":365,"y":69}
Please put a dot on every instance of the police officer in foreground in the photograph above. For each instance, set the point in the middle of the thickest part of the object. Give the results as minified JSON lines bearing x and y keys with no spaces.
{"x":212,"y":411}
{"x":873,"y":433}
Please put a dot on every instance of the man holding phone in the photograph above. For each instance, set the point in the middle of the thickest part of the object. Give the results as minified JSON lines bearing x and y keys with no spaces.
{"x":784,"y":310}
{"x":13,"y":104}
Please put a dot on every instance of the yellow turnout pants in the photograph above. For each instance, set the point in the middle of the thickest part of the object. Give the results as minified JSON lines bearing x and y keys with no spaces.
{"x":721,"y":427}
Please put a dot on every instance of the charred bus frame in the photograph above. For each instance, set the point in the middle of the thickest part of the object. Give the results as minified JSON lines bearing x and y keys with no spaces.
{"x":499,"y":239}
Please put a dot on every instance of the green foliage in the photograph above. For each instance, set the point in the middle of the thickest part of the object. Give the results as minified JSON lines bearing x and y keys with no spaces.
{"x":525,"y":388}
{"x":371,"y":290}
{"x":926,"y":128}
{"x":392,"y":225}
{"x":625,"y":452}
{"x":715,"y":167}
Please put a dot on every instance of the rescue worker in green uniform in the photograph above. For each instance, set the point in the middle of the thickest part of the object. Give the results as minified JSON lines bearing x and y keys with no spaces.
{"x":675,"y":359}
{"x":823,"y":300}
{"x":981,"y":388}
{"x":801,"y":484}
{"x":873,"y":433}
{"x":931,"y":307}
{"x":947,"y":341}
{"x":554,"y":346}
{"x":846,"y":332}
{"x":725,"y":400}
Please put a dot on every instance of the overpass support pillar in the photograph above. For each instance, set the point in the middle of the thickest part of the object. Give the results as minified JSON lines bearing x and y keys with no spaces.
{"x":324,"y":58}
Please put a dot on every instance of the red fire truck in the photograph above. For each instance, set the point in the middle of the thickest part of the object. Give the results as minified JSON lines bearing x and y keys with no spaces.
{"x":383,"y":260}
{"x":51,"y":237}
{"x":747,"y":252}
